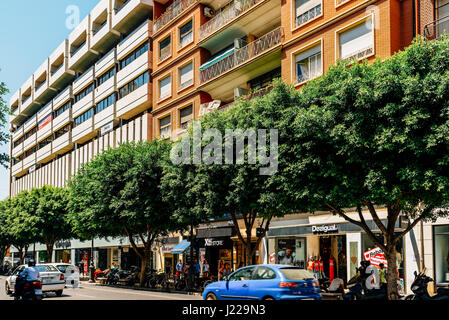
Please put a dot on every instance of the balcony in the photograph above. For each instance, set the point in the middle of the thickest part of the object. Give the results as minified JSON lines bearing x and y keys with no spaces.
{"x":18,"y":133}
{"x":45,"y":131}
{"x":105,"y":89}
{"x":63,"y":143}
{"x":17,"y":168}
{"x":133,"y":40}
{"x":80,"y":52}
{"x":62,"y":97}
{"x":62,"y":120}
{"x":17,"y":150}
{"x":105,"y":63}
{"x":239,"y":19}
{"x":138,"y":66}
{"x":29,"y":161}
{"x":30,"y":142}
{"x":224,"y":16}
{"x":44,"y":154}
{"x":102,"y":33}
{"x":84,"y":80}
{"x":308,"y":15}
{"x":30,"y":123}
{"x":129,"y":14}
{"x":241,"y":56}
{"x":84,"y":131}
{"x":105,"y":116}
{"x":83,"y":105}
{"x":172,"y":12}
{"x":437,"y":28}
{"x":60,"y":75}
{"x":134,"y":103}
{"x":42,"y":90}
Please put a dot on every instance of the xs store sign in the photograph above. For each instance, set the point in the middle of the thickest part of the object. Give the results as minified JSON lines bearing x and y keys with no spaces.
{"x":213,"y":243}
{"x":325,"y":229}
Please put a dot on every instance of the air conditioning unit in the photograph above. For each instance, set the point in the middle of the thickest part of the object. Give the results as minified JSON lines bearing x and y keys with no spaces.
{"x":239,"y":92}
{"x":209,"y":12}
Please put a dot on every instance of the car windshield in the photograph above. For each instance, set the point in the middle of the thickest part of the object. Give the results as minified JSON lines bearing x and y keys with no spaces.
{"x":62,"y":268}
{"x":297,"y":274}
{"x":46,"y":268}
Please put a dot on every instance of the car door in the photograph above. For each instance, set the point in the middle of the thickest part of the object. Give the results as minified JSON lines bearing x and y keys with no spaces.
{"x":264,"y":283}
{"x":12,"y":281}
{"x":238,"y":284}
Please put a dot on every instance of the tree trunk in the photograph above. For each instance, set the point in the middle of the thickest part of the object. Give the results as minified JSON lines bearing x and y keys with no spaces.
{"x":21,"y":255}
{"x":50,"y":252}
{"x":143,"y":267}
{"x":391,"y":276}
{"x":248,"y":251}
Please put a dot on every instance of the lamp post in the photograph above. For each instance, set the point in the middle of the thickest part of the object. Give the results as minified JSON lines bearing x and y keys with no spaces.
{"x":92,"y":267}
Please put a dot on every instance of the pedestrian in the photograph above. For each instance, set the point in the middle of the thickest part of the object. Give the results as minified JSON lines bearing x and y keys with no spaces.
{"x":226,"y":270}
{"x":220,"y":270}
{"x":205,"y":269}
{"x":382,"y":279}
{"x":179,"y":267}
{"x":167,"y":268}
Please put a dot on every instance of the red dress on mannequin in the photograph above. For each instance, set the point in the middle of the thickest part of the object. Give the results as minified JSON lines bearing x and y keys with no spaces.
{"x":331,"y":269}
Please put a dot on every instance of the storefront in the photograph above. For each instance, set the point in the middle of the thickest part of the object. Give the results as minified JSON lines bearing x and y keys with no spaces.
{"x":215,"y":246}
{"x":63,"y":256}
{"x":441,"y":254}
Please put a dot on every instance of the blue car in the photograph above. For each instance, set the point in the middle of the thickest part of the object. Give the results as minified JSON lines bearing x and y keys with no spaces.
{"x":265,"y":282}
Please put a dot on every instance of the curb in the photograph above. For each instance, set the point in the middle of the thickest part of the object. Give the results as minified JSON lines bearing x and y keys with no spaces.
{"x":146,"y":289}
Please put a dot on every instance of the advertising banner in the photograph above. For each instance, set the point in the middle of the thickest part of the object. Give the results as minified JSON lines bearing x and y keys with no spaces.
{"x":376,"y":257}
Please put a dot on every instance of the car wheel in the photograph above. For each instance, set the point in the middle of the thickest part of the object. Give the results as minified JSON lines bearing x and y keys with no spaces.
{"x":58,"y":293}
{"x":7,"y":289}
{"x":211,"y":296}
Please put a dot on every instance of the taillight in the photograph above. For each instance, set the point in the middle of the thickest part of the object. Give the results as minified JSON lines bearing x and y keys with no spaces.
{"x":288,"y":284}
{"x":61,"y":277}
{"x":37,"y":284}
{"x":316,"y":284}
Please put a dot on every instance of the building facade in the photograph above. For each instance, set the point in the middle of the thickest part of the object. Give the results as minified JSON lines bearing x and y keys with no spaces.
{"x":138,"y":69}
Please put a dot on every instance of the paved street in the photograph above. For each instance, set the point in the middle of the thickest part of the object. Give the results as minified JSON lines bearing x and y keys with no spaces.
{"x":93,"y":292}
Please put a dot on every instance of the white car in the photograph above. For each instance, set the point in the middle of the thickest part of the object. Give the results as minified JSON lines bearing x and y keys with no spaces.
{"x":52,"y":279}
{"x":71,"y":273}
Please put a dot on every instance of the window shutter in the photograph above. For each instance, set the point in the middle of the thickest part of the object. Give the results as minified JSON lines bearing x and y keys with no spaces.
{"x":303,"y":6}
{"x":357,"y":38}
{"x":165,"y":87}
{"x":186,"y":75}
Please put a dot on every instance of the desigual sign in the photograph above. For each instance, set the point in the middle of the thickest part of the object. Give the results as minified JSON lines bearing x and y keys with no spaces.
{"x":213,"y":243}
{"x":325,"y":229}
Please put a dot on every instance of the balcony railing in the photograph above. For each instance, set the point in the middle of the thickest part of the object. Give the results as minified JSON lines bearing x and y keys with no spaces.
{"x":78,"y":49}
{"x":117,"y":10}
{"x":173,"y":11}
{"x":437,"y":28}
{"x":243,"y":55}
{"x":225,"y":15}
{"x":308,"y":15}
{"x":57,"y":69}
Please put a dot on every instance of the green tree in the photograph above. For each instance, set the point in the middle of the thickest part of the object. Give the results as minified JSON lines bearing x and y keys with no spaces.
{"x":238,"y":190}
{"x":50,"y":207}
{"x":4,"y":113}
{"x":5,"y":239}
{"x":367,"y":135}
{"x":118,"y":194}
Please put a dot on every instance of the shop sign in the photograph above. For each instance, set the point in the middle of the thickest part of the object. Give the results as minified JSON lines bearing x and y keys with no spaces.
{"x":325,"y":229}
{"x":376,"y":256}
{"x":213,"y":243}
{"x":107,"y":128}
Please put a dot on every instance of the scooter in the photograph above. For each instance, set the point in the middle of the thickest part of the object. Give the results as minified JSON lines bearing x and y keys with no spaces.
{"x":419,"y":288}
{"x":32,"y":290}
{"x":360,"y":287}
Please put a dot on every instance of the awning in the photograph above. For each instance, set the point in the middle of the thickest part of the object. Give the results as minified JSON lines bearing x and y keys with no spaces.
{"x":180,"y":247}
{"x":218,"y":58}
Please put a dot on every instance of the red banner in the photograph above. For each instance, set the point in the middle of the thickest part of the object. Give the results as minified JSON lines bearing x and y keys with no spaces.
{"x":44,"y":122}
{"x":376,"y":256}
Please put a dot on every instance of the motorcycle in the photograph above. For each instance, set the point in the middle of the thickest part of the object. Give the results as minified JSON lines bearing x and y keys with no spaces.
{"x":360,"y":286}
{"x":420,"y":292}
{"x":32,"y":290}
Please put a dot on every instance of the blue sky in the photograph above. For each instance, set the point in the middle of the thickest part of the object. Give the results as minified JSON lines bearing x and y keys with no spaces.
{"x":30,"y":31}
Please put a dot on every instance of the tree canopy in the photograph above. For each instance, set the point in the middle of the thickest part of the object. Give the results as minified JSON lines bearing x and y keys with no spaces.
{"x":4,"y":113}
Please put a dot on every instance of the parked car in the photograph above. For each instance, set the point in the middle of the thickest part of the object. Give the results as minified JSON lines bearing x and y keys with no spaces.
{"x":52,"y":279}
{"x":265,"y":282}
{"x":71,"y":273}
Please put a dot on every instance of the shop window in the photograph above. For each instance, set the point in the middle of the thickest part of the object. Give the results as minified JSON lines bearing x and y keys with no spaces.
{"x":291,"y":251}
{"x":441,"y":256}
{"x":308,"y":64}
{"x":358,"y":41}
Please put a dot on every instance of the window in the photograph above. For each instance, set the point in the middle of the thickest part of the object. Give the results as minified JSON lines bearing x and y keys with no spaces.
{"x":441,"y":247}
{"x":30,"y":152}
{"x":31,"y":132}
{"x":165,"y":127}
{"x":134,"y":85}
{"x":442,"y":8}
{"x":263,"y":273}
{"x":186,"y":115}
{"x":62,"y":109}
{"x":186,"y":34}
{"x":306,"y":10}
{"x":308,"y":64}
{"x":291,"y":251}
{"x":106,"y":76}
{"x":165,"y":88}
{"x":357,"y":42}
{"x":84,"y":92}
{"x":62,"y":131}
{"x":186,"y":76}
{"x":134,"y":55}
{"x":165,"y":48}
{"x":242,"y":275}
{"x":103,"y":104}
{"x":45,"y":142}
{"x":84,"y":117}
{"x":297,"y":274}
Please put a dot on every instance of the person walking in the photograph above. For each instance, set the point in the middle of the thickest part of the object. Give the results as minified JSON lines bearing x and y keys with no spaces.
{"x":226,"y":270}
{"x":220,"y":270}
{"x":206,"y":269}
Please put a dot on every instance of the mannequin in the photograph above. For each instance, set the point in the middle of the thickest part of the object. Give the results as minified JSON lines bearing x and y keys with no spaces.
{"x":331,"y":269}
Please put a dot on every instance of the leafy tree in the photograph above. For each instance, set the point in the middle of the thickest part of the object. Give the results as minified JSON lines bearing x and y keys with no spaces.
{"x":50,"y":213}
{"x":374,"y":135}
{"x":5,"y":239}
{"x":118,"y":194}
{"x":4,"y":112}
{"x":216,"y":189}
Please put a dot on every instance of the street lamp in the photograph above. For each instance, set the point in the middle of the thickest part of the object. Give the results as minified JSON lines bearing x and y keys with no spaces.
{"x":92,"y":267}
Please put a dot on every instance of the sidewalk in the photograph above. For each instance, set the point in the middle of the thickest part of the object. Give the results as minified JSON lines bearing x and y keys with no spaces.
{"x":87,"y":283}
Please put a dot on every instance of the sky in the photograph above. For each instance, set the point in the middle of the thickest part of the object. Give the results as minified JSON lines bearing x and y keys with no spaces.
{"x":30,"y":31}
